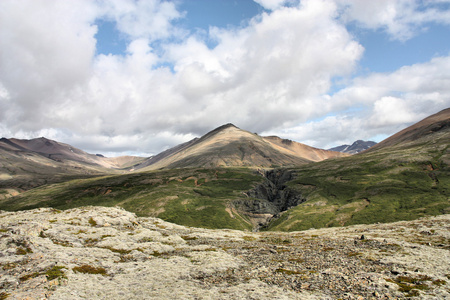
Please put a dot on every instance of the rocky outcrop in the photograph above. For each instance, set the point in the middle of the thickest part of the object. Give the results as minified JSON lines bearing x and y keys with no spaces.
{"x":270,"y":198}
{"x":108,"y":253}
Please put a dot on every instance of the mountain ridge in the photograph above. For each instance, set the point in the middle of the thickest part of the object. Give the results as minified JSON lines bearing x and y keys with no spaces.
{"x":228,"y":145}
{"x":355,"y":147}
{"x":60,"y":152}
{"x":432,"y":124}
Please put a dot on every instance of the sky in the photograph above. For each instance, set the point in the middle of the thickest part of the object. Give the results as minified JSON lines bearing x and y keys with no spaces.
{"x":125,"y":77}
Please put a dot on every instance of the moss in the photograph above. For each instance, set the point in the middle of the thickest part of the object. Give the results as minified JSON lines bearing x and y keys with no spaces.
{"x":21,"y":251}
{"x":279,"y":240}
{"x":157,"y":254}
{"x":287,"y":272}
{"x":120,"y":251}
{"x":90,"y":241}
{"x":55,"y":273}
{"x":92,"y":222}
{"x":439,"y":282}
{"x":9,"y":266}
{"x":411,"y":285}
{"x":87,"y":269}
{"x":189,"y":238}
{"x":297,"y":260}
{"x":29,"y":276}
{"x":249,"y":238}
{"x":145,"y":240}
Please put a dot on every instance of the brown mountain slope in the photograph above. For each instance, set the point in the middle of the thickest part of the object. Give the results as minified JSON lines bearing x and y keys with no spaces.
{"x":421,"y":130}
{"x":228,"y":145}
{"x":302,"y":150}
{"x":25,"y":164}
{"x":66,"y":153}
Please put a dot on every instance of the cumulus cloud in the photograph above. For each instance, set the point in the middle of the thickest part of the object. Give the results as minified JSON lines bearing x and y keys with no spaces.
{"x":150,"y":19}
{"x":402,"y":19}
{"x":379,"y":105}
{"x":42,"y":56}
{"x":271,"y":4}
{"x":273,"y":75}
{"x":272,"y":72}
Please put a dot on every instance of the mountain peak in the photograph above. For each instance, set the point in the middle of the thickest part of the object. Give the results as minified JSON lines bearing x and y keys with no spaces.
{"x":356,"y":147}
{"x":217,"y":130}
{"x":225,"y":126}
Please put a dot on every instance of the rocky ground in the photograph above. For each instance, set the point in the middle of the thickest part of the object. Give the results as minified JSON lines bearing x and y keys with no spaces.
{"x":108,"y":253}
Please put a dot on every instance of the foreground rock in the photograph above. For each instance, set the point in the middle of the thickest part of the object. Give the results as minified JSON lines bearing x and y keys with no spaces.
{"x":108,"y":253}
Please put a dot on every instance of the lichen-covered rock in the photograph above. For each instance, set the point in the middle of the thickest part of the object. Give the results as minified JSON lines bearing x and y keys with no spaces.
{"x":109,"y":253}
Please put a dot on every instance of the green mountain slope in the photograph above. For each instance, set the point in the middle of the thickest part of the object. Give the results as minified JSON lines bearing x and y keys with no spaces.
{"x":192,"y":197}
{"x":405,"y":177}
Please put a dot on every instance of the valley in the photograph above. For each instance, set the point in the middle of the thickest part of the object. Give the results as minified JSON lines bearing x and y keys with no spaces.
{"x":231,"y":178}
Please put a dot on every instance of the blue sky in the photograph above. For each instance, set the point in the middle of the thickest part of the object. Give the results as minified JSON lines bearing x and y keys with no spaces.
{"x":137,"y":77}
{"x":382,"y":52}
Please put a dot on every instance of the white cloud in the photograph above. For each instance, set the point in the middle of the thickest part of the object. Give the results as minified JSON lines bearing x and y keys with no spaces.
{"x":402,"y":19}
{"x":275,"y":73}
{"x":379,"y":105}
{"x":391,"y":111}
{"x":150,"y":19}
{"x":42,"y":56}
{"x":271,"y":4}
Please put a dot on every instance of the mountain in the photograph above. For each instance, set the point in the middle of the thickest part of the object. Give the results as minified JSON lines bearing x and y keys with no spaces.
{"x":354,"y":148}
{"x":229,"y":145}
{"x":64,"y":153}
{"x":26,"y":164}
{"x":432,"y":127}
{"x":404,"y":177}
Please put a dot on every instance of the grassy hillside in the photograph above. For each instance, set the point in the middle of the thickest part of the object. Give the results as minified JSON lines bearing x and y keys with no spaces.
{"x":397,"y":183}
{"x":405,"y":178}
{"x":192,"y":197}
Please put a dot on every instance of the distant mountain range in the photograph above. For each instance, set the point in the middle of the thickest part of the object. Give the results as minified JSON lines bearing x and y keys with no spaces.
{"x":62,"y":153}
{"x":30,"y":163}
{"x":354,"y":148}
{"x":25,"y":164}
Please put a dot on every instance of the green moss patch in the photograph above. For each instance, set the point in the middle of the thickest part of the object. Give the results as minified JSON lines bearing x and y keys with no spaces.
{"x":87,"y":269}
